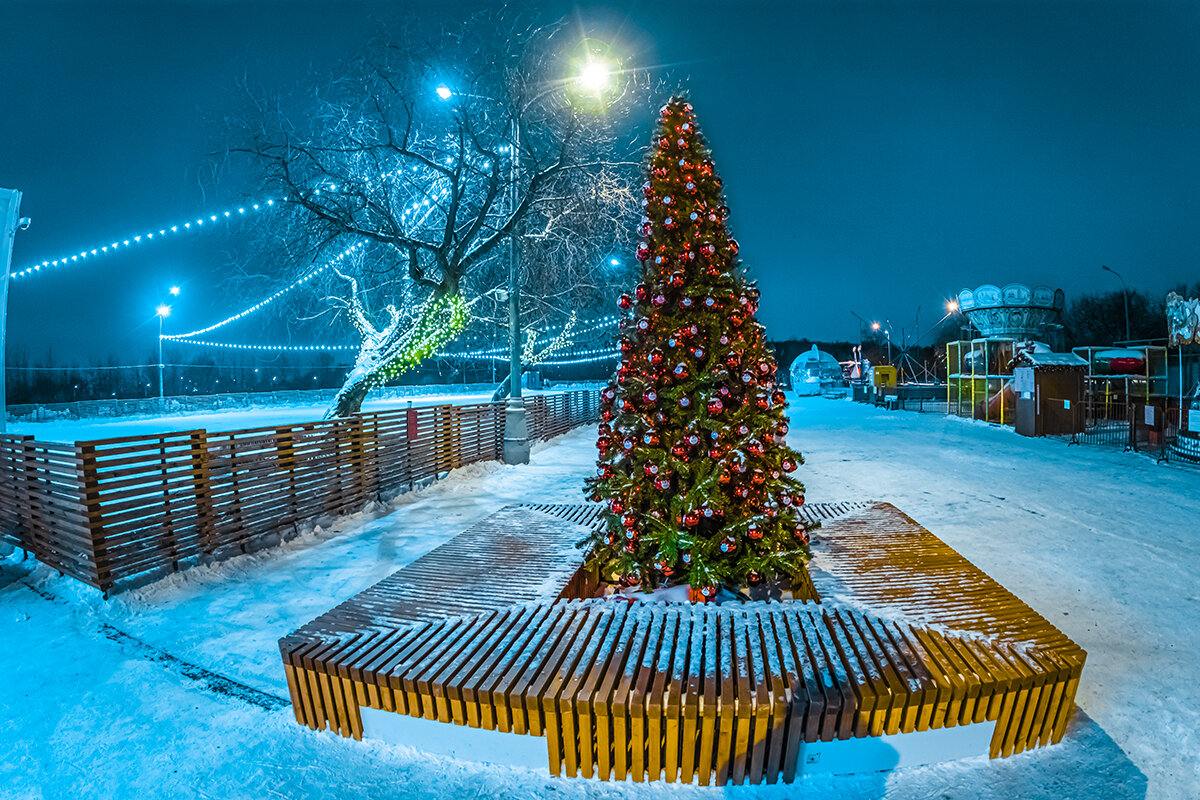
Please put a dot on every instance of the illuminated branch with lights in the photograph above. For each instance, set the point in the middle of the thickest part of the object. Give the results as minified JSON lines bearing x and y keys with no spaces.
{"x":400,"y":345}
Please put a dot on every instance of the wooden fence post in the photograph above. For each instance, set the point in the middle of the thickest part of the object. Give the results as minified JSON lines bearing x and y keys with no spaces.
{"x":89,"y":488}
{"x":202,"y":485}
{"x":28,"y":495}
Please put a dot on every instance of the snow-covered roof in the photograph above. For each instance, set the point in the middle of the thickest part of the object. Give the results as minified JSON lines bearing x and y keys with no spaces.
{"x":1036,"y":359}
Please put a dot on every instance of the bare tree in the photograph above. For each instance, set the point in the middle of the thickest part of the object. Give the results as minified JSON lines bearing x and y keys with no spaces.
{"x":431,"y":154}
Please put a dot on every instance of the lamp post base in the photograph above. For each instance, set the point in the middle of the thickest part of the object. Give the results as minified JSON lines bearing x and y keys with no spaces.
{"x":516,"y":432}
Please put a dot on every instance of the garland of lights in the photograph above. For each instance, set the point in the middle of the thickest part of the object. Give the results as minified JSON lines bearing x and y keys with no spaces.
{"x":530,"y":356}
{"x":164,"y":231}
{"x":179,"y":337}
{"x":441,"y":319}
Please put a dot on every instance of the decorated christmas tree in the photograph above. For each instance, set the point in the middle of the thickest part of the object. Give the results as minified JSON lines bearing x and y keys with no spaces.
{"x":692,"y":463}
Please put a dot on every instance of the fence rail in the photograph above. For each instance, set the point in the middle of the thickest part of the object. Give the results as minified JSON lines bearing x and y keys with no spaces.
{"x":123,"y":511}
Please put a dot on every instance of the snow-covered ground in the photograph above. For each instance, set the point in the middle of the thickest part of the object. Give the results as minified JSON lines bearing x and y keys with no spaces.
{"x":74,"y":430}
{"x":1105,"y":544}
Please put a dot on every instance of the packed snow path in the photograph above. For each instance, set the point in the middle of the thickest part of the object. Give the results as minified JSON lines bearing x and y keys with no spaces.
{"x":1104,"y":544}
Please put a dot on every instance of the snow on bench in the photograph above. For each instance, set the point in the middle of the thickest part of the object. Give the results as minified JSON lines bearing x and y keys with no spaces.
{"x":915,"y":639}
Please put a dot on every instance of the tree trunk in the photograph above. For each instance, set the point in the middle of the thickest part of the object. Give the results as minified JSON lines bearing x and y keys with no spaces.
{"x":384,"y":355}
{"x":349,"y":398}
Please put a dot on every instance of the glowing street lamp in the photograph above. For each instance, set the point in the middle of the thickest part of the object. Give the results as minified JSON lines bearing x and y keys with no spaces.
{"x":951,"y":307}
{"x":174,"y":291}
{"x":874,"y":326}
{"x":593,"y":76}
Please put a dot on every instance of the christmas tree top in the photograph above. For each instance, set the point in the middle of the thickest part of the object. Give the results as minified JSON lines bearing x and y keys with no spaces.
{"x":693,"y":465}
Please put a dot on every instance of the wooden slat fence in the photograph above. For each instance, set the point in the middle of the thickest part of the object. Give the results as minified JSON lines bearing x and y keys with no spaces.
{"x":126,"y":510}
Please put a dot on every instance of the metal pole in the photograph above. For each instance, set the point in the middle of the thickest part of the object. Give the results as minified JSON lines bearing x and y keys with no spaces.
{"x":10,"y":221}
{"x":516,"y":426}
{"x":160,"y":361}
{"x":1125,"y":295}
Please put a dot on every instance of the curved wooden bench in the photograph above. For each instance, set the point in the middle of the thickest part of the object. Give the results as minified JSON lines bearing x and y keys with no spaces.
{"x":680,"y":692}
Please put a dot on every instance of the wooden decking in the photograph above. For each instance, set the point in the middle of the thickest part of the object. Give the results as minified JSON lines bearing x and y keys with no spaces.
{"x":481,"y":632}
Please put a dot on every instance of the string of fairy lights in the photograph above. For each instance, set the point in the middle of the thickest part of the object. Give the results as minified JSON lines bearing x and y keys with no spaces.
{"x":417,"y":214}
{"x":126,"y":243}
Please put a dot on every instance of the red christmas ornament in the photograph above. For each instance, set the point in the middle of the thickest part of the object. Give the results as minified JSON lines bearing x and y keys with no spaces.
{"x":754,"y":578}
{"x":679,"y":450}
{"x":753,"y":531}
{"x":680,"y":371}
{"x":662,"y":484}
{"x":691,"y":519}
{"x":616,"y":506}
{"x":625,"y":302}
{"x":728,"y":544}
{"x":640,"y":291}
{"x":757,"y":477}
{"x":764,"y":368}
{"x":802,"y":533}
{"x":781,"y":429}
{"x":650,"y":469}
{"x":658,"y":301}
{"x":678,"y":279}
{"x":629,"y":521}
{"x":715,"y":453}
{"x":798,"y":500}
{"x":650,"y":438}
{"x":643,"y":252}
{"x":715,"y":406}
{"x":788,"y":465}
{"x":649,"y":397}
{"x":724,"y":476}
{"x":655,"y":357}
{"x":778,"y":397}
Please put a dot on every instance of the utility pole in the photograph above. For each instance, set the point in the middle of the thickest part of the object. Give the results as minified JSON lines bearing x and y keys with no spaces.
{"x":516,"y":426}
{"x":1124,"y":294}
{"x":10,"y":222}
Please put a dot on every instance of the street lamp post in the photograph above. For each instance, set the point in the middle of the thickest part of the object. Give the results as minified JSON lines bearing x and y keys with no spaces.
{"x":516,"y":426}
{"x":594,"y":76}
{"x":1124,"y":294}
{"x":10,"y":222}
{"x":162,"y":312}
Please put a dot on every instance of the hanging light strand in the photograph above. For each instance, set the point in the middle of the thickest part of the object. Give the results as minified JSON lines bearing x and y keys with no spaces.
{"x":166,"y":231}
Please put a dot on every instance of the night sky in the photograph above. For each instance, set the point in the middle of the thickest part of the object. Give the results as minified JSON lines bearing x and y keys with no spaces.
{"x":877,"y":157}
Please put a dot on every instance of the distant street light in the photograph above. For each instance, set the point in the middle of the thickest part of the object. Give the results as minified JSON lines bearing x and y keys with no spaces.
{"x":163,"y":311}
{"x":1125,"y":294}
{"x":951,"y":306}
{"x":874,"y":326}
{"x":444,"y":92}
{"x":175,"y":291}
